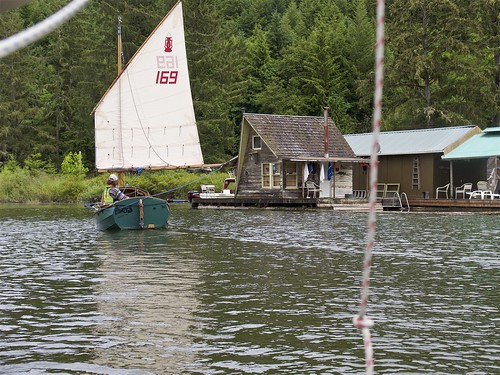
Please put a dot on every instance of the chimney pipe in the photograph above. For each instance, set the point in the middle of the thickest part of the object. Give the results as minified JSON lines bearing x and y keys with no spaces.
{"x":326,"y":131}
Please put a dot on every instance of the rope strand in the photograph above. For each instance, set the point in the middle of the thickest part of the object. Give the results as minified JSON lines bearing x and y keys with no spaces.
{"x":38,"y":31}
{"x":360,"y":320}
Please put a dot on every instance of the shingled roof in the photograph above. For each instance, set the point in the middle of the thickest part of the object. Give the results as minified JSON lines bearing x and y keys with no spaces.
{"x":294,"y":137}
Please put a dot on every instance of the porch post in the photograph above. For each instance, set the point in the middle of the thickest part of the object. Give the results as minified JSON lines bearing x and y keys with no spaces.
{"x":334,"y":179}
{"x":496,"y":175}
{"x":305,"y":174}
{"x":452,"y":189}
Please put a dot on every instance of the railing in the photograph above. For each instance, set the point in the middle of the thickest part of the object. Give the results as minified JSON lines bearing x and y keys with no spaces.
{"x":403,"y":195}
{"x":396,"y":201}
{"x":388,"y":195}
{"x":359,"y":194}
{"x":386,"y":189}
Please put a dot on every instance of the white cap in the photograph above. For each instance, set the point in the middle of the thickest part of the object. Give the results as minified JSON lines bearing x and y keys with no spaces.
{"x":113,"y":177}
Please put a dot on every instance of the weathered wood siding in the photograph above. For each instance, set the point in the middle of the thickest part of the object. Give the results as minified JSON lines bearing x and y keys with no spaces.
{"x":250,"y":183}
{"x":343,"y":180}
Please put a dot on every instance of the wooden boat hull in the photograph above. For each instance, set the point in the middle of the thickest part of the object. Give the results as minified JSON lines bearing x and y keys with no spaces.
{"x":134,"y":213}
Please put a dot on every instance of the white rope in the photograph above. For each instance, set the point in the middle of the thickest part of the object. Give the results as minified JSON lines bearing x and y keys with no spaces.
{"x":360,"y":320}
{"x":38,"y":31}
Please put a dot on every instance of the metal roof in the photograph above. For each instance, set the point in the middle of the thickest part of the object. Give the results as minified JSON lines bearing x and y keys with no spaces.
{"x":481,"y":145}
{"x":409,"y":142}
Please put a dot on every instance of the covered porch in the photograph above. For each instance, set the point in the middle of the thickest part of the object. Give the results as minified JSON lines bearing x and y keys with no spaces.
{"x":326,"y":177}
{"x":476,"y":163}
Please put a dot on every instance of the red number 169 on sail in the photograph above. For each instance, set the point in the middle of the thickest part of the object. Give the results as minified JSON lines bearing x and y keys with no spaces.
{"x":166,"y":77}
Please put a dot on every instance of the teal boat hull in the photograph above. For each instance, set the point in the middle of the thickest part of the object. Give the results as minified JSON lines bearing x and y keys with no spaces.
{"x":134,"y":213}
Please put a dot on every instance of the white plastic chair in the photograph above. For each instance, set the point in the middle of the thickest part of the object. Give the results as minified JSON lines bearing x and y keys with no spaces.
{"x":464,"y":189}
{"x":208,"y":189}
{"x":312,"y":188}
{"x":483,"y":185}
{"x":442,"y":189}
{"x":483,"y":191}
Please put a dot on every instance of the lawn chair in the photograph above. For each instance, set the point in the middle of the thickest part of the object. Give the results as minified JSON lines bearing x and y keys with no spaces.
{"x":442,"y":189}
{"x":483,"y":190}
{"x":312,"y":188}
{"x":464,"y":189}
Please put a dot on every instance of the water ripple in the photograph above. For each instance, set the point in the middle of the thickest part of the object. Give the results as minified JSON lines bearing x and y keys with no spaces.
{"x":246,"y":291}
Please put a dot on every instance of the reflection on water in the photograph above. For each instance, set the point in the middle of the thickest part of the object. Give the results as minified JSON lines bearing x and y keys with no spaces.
{"x":148,"y":299}
{"x":243,"y":291}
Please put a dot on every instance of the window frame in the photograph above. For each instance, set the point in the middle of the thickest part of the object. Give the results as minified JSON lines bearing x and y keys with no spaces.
{"x":271,"y":177}
{"x":254,"y":138}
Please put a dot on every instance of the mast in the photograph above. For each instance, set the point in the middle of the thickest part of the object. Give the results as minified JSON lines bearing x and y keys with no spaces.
{"x":121,"y":174}
{"x":119,"y":45}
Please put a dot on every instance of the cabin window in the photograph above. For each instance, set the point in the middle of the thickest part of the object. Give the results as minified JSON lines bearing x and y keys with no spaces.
{"x":271,"y":175}
{"x":256,"y":142}
{"x":291,"y":174}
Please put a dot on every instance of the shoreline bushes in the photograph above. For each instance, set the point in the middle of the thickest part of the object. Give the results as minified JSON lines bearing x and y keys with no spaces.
{"x":20,"y":185}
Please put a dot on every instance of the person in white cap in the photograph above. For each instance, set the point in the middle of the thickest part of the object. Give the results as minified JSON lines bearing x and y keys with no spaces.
{"x":111,"y":192}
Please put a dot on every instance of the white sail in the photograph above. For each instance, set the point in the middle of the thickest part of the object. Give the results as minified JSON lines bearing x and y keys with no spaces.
{"x":146,"y":118}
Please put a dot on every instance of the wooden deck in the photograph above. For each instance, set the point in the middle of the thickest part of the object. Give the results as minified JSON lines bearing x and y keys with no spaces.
{"x":455,"y":205}
{"x":294,"y":203}
{"x":416,"y":204}
{"x":257,"y":202}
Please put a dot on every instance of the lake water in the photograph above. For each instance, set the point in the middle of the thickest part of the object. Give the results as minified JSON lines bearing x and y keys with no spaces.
{"x":246,"y":292}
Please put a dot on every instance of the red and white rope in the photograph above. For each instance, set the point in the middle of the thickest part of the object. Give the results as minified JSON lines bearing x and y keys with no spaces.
{"x":360,"y":320}
{"x":38,"y":31}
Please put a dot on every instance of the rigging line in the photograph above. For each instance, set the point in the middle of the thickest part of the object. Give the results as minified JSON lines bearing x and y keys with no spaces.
{"x":38,"y":31}
{"x":189,"y":183}
{"x":360,"y":320}
{"x":140,"y":122}
{"x":196,"y":180}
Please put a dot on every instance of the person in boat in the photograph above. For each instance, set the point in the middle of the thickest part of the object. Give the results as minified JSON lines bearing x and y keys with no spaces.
{"x":111,"y":192}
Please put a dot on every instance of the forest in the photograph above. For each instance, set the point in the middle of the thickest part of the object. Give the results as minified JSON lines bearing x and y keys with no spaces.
{"x":442,"y":67}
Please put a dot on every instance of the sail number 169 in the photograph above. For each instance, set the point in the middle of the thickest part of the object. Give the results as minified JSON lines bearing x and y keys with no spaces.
{"x":167,"y":70}
{"x":166,"y":77}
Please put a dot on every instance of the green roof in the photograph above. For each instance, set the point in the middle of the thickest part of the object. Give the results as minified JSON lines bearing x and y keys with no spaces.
{"x":480,"y":146}
{"x":408,"y":142}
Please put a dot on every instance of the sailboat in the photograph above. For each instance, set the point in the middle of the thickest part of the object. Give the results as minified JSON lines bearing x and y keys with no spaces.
{"x":146,"y":121}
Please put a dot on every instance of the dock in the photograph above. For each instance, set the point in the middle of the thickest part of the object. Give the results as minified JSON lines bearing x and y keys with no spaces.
{"x":274,"y":202}
{"x":455,"y":205}
{"x":349,"y":204}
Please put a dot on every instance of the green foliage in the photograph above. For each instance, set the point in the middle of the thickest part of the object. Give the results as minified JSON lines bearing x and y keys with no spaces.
{"x":11,"y":165}
{"x":34,"y":164}
{"x":21,"y":186}
{"x":16,"y":185}
{"x":175,"y":184}
{"x":439,"y":71}
{"x":73,"y":165}
{"x":265,"y":56}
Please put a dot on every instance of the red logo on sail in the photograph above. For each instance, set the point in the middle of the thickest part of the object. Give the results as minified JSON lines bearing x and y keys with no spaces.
{"x":168,"y":43}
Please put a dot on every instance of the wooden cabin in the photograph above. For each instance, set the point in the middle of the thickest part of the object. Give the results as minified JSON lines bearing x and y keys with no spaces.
{"x":279,"y":154}
{"x":410,"y":160}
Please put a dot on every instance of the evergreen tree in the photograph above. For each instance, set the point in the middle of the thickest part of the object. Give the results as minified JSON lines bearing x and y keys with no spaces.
{"x":360,"y":35}
{"x":426,"y":36}
{"x":268,"y":56}
{"x":485,"y":16}
{"x":19,"y":108}
{"x":216,"y":78}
